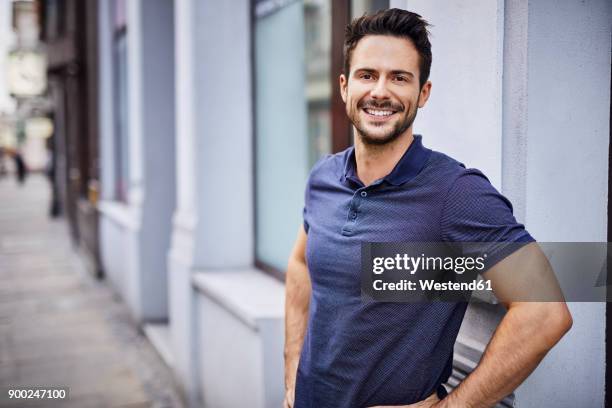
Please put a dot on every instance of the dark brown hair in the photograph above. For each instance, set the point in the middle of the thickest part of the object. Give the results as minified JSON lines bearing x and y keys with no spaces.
{"x":396,"y":23}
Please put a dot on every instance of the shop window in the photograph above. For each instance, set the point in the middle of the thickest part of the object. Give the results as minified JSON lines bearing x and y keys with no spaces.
{"x":298,"y":117}
{"x":361,"y":7}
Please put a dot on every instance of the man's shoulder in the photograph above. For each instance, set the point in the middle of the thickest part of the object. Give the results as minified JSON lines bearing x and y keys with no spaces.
{"x":450,"y":169}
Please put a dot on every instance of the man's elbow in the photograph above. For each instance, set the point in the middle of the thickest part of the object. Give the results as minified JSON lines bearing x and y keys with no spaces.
{"x":558,"y":322}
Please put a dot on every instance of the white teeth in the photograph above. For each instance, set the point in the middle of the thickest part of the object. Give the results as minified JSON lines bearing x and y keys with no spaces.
{"x":379,"y":112}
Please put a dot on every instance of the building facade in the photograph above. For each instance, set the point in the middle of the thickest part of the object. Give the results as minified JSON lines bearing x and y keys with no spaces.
{"x":210,"y":115}
{"x":70,"y":33}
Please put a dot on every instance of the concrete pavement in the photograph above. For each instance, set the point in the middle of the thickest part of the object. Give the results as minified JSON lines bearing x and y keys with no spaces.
{"x":61,"y":327}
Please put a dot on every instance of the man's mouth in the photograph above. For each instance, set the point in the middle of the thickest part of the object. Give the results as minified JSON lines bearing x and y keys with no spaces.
{"x":379,"y":113}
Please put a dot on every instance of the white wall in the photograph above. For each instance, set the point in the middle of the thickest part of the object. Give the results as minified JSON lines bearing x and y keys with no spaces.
{"x":213,"y":221}
{"x":181,"y":256}
{"x":240,"y":332}
{"x":566,"y":176}
{"x":220,"y":363}
{"x":463,"y":117}
{"x":143,"y":224}
{"x":117,"y":245}
{"x":158,"y":147}
{"x":568,"y":119}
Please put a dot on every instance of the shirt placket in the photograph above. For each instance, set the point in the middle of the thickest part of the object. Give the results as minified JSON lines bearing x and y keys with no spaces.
{"x":357,"y":206}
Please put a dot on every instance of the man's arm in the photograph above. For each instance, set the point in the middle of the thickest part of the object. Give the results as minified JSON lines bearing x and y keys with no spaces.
{"x":526,"y":333}
{"x":297,"y":299}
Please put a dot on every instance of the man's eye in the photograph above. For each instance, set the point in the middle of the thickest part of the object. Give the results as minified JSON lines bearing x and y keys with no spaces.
{"x":366,"y":76}
{"x":401,"y":78}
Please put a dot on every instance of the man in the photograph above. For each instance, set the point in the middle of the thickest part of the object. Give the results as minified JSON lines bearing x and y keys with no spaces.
{"x":344,"y":351}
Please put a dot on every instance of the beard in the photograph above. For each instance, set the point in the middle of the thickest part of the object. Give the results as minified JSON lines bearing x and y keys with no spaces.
{"x":398,"y":128}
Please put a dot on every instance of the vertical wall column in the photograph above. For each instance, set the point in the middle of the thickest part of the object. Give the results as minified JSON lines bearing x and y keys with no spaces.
{"x":565,"y":158}
{"x":515,"y":106}
{"x":213,"y":221}
{"x":158,"y":146}
{"x":151,"y":193}
{"x":181,"y":258}
{"x":135,"y":66}
{"x":135,"y":236}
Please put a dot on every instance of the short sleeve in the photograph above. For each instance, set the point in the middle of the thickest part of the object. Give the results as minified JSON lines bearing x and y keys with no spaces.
{"x":474,"y":211}
{"x":306,"y":225}
{"x":314,"y":175}
{"x":305,"y":213}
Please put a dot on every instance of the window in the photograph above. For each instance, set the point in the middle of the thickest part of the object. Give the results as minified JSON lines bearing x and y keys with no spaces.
{"x":120,"y":98}
{"x":54,"y":12}
{"x":360,"y":7}
{"x":299,"y":116}
{"x":317,"y":51}
{"x":293,"y":87}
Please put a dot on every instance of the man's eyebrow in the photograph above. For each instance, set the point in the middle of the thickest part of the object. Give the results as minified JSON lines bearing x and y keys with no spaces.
{"x":370,"y":70}
{"x":401,"y":72}
{"x":394,"y":72}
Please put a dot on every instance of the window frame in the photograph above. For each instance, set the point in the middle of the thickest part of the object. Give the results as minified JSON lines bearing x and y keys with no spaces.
{"x":119,"y":33}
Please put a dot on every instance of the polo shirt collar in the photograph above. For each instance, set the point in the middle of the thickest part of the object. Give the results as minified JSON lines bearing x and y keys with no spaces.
{"x":411,"y":163}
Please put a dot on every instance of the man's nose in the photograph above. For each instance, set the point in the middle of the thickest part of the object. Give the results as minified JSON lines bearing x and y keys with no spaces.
{"x":380,"y":90}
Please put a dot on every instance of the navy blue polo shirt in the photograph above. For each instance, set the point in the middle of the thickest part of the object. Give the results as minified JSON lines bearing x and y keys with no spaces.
{"x":359,"y":353}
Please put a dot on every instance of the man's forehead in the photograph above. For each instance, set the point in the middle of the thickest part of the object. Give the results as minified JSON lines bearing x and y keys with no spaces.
{"x":385,"y":52}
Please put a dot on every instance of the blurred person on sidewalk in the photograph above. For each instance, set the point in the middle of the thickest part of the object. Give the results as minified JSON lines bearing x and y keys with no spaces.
{"x":54,"y":207}
{"x":20,"y":167}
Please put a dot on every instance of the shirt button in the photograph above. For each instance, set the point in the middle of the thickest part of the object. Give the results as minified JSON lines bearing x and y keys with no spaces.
{"x":364,"y":194}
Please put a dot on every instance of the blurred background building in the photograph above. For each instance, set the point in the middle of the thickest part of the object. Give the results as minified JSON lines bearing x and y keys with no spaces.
{"x":24,"y":123}
{"x":181,"y":134}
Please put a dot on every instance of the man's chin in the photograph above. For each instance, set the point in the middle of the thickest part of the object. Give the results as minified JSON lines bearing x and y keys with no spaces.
{"x":376,"y":138}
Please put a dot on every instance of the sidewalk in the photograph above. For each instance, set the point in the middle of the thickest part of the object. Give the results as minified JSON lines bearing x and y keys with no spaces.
{"x":58,"y":325}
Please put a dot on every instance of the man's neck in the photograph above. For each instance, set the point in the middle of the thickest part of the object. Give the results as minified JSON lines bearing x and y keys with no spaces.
{"x":376,"y":161}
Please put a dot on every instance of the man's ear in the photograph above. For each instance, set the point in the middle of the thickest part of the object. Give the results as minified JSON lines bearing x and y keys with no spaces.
{"x":424,"y":94}
{"x":343,"y":86}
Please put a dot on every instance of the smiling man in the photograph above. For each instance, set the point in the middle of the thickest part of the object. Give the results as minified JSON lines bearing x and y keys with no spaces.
{"x":343,"y":351}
